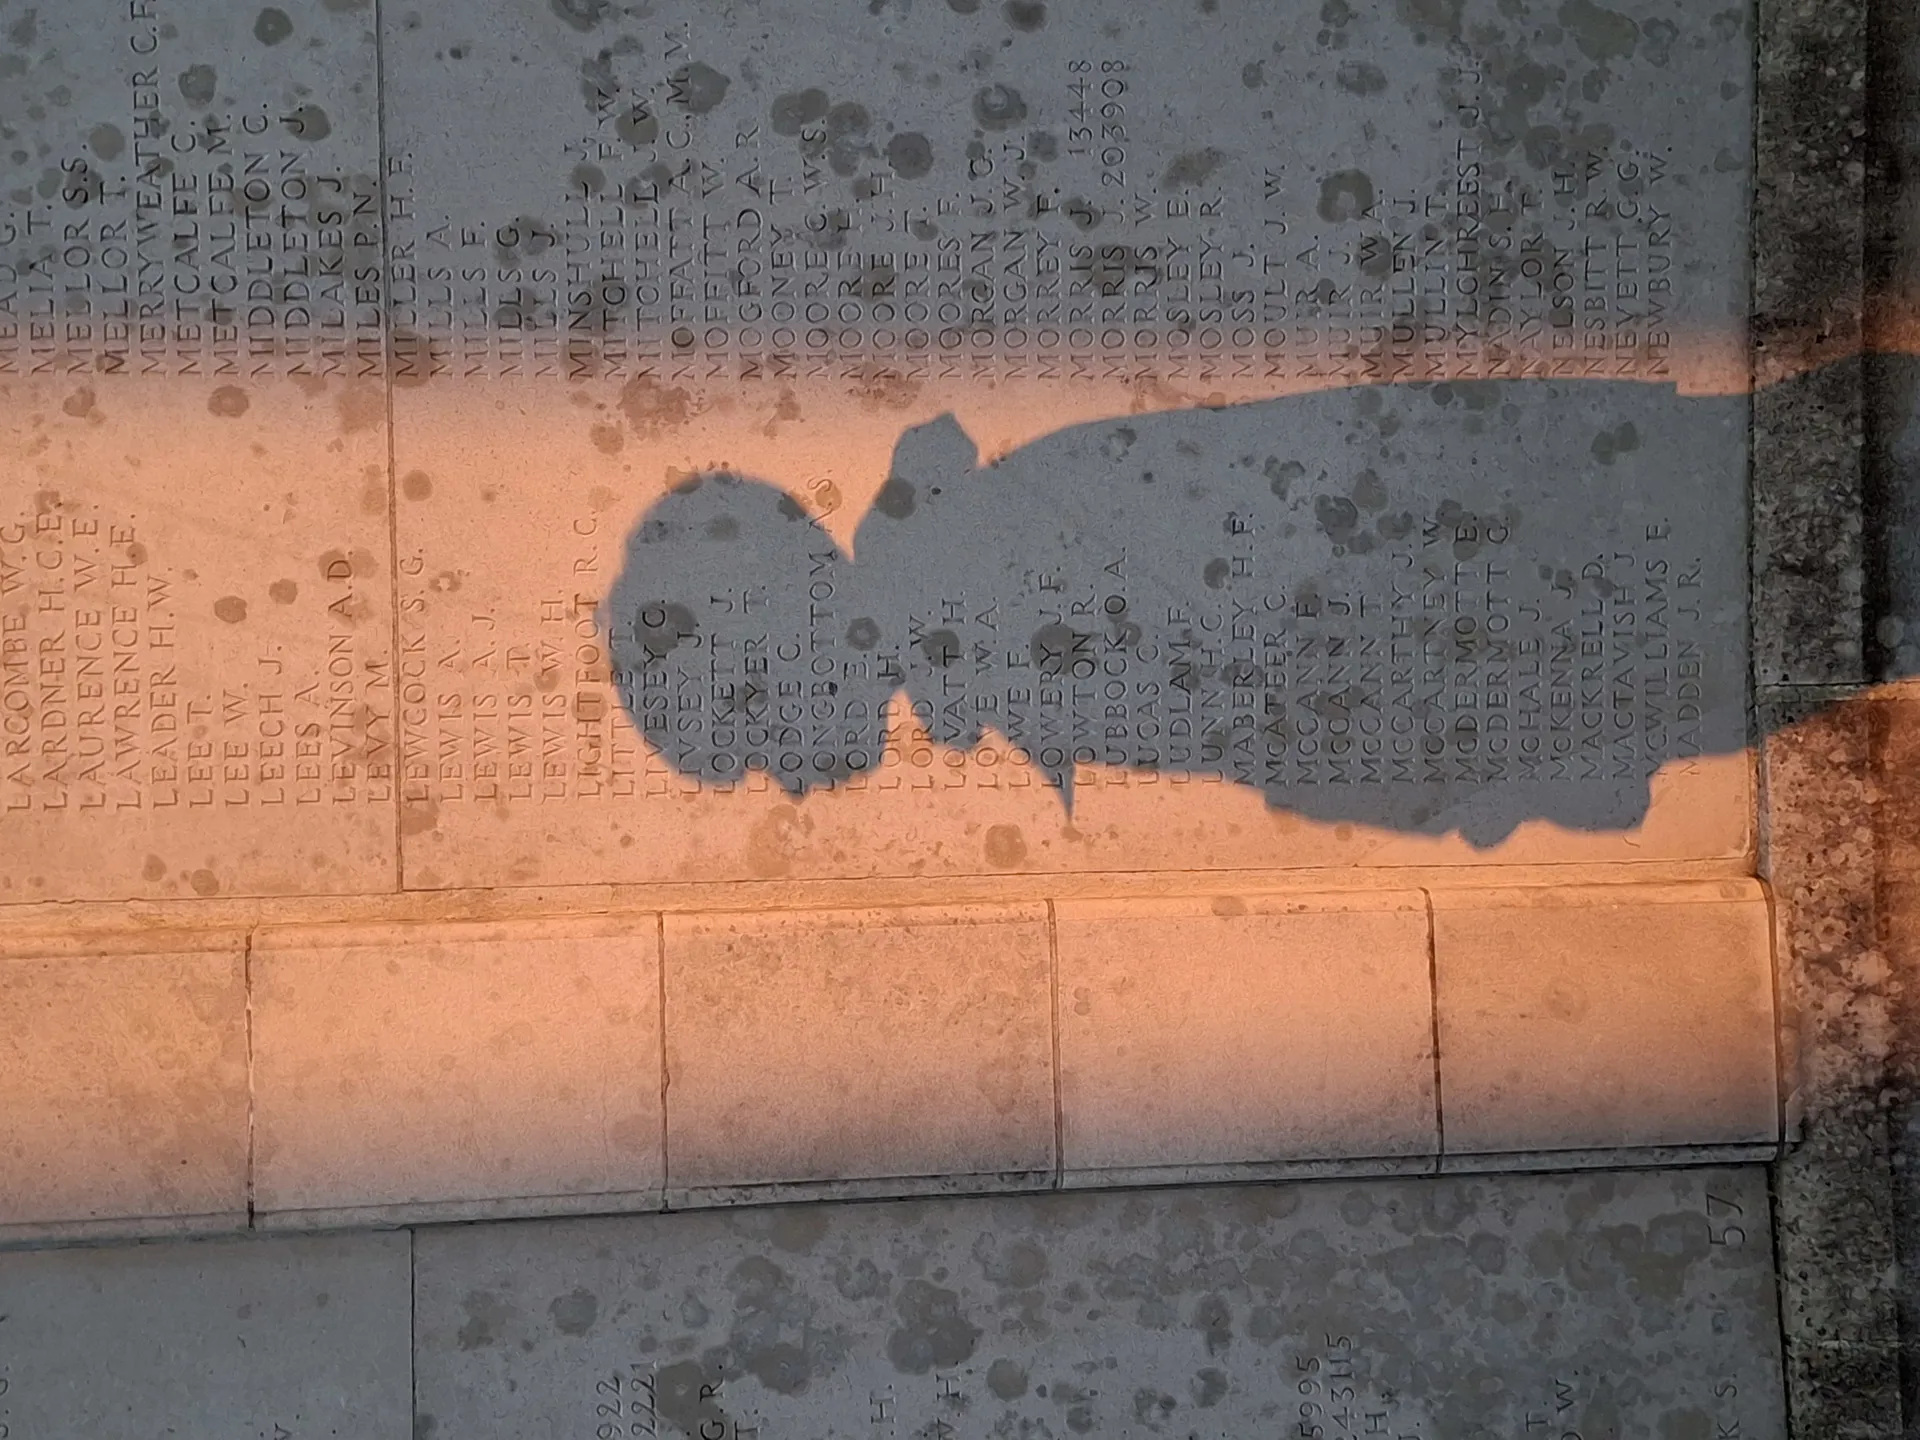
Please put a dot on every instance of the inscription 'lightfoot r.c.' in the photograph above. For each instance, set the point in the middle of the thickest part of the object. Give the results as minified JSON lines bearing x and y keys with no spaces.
{"x":1435,"y":608}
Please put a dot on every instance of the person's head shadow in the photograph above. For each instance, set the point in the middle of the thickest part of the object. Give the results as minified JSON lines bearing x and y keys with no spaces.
{"x":1432,"y":608}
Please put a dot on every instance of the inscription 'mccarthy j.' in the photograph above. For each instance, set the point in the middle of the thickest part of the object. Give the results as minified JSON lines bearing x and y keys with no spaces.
{"x":1448,"y":607}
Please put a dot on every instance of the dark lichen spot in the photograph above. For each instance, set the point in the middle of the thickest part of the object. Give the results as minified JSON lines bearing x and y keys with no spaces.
{"x":910,"y":154}
{"x":272,"y":26}
{"x":1006,"y":847}
{"x":1345,"y":195}
{"x":1006,"y":1380}
{"x":638,"y":126}
{"x":582,"y":15}
{"x":996,"y":107}
{"x":722,"y":527}
{"x":1215,"y":575}
{"x":1253,"y":74}
{"x":574,"y":1313}
{"x":933,"y":1332}
{"x":1360,"y":78}
{"x":1601,"y":34}
{"x":941,"y":647}
{"x":1336,"y":515}
{"x":1618,"y":441}
{"x":230,"y":608}
{"x":1026,"y":15}
{"x":1191,"y":168}
{"x":896,"y":498}
{"x":1281,"y":474}
{"x":283,"y":592}
{"x":660,"y":629}
{"x":1369,"y":493}
{"x":229,"y":402}
{"x":307,"y":122}
{"x":1208,"y":1388}
{"x":796,"y":109}
{"x":106,"y":141}
{"x":698,"y":88}
{"x":205,"y":883}
{"x":197,"y":84}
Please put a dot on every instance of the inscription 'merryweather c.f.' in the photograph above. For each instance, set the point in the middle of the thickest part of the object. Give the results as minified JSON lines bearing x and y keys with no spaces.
{"x":1448,"y":607}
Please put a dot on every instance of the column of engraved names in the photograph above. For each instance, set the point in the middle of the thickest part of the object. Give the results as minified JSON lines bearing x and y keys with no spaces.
{"x":99,"y":713}
{"x":200,"y":239}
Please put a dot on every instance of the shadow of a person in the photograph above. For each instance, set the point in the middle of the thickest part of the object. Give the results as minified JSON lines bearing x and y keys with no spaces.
{"x":1438,"y":608}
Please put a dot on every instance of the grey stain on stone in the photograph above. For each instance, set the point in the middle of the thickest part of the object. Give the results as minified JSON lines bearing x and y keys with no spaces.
{"x":582,"y":15}
{"x":1006,"y":1379}
{"x":797,"y":109}
{"x":896,"y":498}
{"x":1360,"y":78}
{"x":197,"y":84}
{"x":1345,"y":195}
{"x":575,"y":1312}
{"x":106,"y":141}
{"x":698,"y":87}
{"x":486,"y":1317}
{"x":1622,"y":439}
{"x":1601,"y":34}
{"x":910,"y":154}
{"x":1191,"y":169}
{"x":308,"y":122}
{"x":272,"y":26}
{"x":998,"y":107}
{"x":933,"y":1333}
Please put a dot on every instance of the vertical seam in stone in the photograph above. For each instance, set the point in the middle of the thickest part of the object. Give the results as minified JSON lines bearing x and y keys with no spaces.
{"x":660,"y":973}
{"x":413,"y":1329}
{"x":246,"y":986}
{"x":386,"y":383}
{"x":1053,"y":1029}
{"x":1433,"y":1031}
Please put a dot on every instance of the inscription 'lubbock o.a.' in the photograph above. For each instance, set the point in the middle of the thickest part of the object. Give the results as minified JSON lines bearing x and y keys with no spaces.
{"x":1446,"y":608}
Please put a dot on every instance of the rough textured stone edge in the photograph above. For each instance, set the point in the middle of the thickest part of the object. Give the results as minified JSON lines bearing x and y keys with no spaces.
{"x":1817,"y":578}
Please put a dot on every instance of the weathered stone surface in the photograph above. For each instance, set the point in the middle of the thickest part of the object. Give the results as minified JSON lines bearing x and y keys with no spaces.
{"x":123,"y":1086}
{"x":829,"y":1046}
{"x":410,"y":1072}
{"x":1605,"y":1017}
{"x":195,"y":604}
{"x":1835,"y":1186}
{"x":245,"y":1338}
{"x":1241,"y":1031}
{"x":1629,"y":1304}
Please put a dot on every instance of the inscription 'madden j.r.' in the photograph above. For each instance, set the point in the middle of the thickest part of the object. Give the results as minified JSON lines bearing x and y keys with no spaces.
{"x":1440,"y":608}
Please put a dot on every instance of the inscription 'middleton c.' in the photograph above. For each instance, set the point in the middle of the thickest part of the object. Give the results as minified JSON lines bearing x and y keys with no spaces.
{"x":1447,"y":607}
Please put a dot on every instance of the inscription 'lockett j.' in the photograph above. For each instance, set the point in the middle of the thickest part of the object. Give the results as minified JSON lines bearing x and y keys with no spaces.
{"x":1436,"y":608}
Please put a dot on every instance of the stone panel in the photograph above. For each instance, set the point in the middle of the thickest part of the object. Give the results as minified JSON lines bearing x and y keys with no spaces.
{"x":842,"y":1046}
{"x":1638,"y":1303}
{"x":418,"y":1071}
{"x":123,"y":1086}
{"x":1605,"y":1017}
{"x":1243,"y":1031}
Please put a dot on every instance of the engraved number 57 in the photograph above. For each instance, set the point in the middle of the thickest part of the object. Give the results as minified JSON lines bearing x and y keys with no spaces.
{"x":1721,"y":1213}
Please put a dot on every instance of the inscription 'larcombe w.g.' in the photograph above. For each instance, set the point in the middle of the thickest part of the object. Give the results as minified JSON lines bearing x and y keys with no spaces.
{"x":1448,"y":607}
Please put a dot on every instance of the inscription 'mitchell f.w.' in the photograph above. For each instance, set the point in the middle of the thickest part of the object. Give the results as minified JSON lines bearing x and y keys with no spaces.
{"x":1513,"y":600}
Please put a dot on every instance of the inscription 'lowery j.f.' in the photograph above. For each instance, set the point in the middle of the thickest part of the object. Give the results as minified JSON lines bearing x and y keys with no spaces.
{"x":1435,"y":607}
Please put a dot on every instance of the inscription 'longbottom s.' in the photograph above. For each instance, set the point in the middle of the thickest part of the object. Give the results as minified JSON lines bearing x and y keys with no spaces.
{"x":1445,"y":607}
